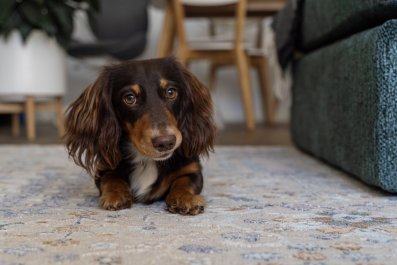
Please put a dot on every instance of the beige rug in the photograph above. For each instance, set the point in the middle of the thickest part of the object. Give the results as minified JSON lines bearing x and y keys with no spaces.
{"x":266,"y":205}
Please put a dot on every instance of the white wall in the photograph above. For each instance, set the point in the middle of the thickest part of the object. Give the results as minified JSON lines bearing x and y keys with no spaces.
{"x":227,"y":95}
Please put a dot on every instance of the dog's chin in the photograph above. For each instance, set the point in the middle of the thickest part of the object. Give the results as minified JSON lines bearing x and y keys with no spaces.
{"x":156,"y":156}
{"x":164,"y":156}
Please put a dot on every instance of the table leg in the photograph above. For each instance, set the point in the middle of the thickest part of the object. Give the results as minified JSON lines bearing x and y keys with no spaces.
{"x":60,"y":117}
{"x":30,"y":118}
{"x":15,"y":124}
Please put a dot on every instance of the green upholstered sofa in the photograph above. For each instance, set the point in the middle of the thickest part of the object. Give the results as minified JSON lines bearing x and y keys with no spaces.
{"x":344,"y":107}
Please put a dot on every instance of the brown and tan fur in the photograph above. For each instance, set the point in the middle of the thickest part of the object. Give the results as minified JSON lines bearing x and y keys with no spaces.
{"x":139,"y":130}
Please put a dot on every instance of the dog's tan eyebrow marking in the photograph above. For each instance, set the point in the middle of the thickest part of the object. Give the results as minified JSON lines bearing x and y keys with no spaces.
{"x":136,"y":89}
{"x":163,"y":83}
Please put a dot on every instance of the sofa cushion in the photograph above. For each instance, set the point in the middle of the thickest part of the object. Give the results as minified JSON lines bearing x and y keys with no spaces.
{"x":325,"y":21}
{"x":345,"y":105}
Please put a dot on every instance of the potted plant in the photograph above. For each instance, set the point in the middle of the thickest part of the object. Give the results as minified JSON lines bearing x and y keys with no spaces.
{"x":33,"y":35}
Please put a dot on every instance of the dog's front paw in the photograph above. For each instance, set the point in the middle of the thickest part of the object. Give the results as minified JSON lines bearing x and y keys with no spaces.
{"x":185,"y":203}
{"x":114,"y":201}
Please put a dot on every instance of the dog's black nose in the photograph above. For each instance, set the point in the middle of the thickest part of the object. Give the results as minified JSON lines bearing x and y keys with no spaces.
{"x":164,"y":143}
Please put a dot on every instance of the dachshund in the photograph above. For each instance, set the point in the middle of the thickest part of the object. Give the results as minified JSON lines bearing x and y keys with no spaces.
{"x":139,"y":130}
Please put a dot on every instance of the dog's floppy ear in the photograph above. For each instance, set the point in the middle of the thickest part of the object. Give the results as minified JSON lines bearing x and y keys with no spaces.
{"x":196,"y":116}
{"x":92,"y":130}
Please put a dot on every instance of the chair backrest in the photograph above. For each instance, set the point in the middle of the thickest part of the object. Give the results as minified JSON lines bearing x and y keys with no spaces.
{"x":208,"y":2}
{"x":240,"y":7}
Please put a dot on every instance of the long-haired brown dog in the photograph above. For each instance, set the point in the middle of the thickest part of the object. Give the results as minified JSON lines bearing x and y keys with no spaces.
{"x":139,"y":130}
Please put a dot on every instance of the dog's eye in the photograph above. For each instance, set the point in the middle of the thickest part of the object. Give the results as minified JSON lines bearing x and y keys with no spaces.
{"x":129,"y":99}
{"x":171,"y":93}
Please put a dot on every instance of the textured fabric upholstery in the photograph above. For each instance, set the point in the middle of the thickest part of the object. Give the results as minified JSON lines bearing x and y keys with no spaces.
{"x":345,"y":104}
{"x":325,"y":21}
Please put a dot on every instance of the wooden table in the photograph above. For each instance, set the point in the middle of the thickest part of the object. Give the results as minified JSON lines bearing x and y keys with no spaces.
{"x":255,"y":8}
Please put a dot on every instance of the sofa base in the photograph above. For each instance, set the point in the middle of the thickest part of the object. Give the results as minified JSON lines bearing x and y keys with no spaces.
{"x":345,"y":105}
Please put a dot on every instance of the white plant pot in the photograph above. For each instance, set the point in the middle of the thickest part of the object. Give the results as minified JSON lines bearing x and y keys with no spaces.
{"x":34,"y":68}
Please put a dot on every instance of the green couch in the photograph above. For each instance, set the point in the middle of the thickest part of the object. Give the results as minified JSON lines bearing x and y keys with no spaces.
{"x":344,"y":107}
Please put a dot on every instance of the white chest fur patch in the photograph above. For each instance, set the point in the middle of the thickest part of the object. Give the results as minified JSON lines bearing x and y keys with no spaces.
{"x":144,"y":175}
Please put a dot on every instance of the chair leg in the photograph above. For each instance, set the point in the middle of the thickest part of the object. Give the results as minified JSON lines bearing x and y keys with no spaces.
{"x":164,"y":47}
{"x":30,"y":118}
{"x":245,"y":83}
{"x":16,"y":125}
{"x":188,"y":63}
{"x":268,"y":101}
{"x":212,"y":77}
{"x":183,"y":56}
{"x":60,"y":117}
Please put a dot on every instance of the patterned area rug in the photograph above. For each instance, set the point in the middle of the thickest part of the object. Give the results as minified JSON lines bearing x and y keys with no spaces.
{"x":266,"y":205}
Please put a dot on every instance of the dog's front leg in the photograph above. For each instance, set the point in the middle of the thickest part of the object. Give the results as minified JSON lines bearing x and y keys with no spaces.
{"x":184,"y":198}
{"x":114,"y":192}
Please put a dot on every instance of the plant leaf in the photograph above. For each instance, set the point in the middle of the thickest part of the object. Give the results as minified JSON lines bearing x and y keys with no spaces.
{"x":47,"y":25}
{"x":40,"y":2}
{"x":31,"y":12}
{"x":25,"y":31}
{"x":63,"y":15}
{"x":6,"y":10}
{"x":54,"y":17}
{"x":13,"y":22}
{"x":62,"y":41}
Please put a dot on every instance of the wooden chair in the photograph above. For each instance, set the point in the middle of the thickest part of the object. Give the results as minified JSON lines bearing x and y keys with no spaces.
{"x":217,"y":52}
{"x":29,"y":107}
{"x":257,"y":60}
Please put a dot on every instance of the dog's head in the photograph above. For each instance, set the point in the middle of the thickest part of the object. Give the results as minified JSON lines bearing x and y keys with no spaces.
{"x":157,"y":105}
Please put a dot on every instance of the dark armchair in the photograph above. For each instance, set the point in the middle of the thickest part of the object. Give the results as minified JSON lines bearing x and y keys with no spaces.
{"x":120,"y":30}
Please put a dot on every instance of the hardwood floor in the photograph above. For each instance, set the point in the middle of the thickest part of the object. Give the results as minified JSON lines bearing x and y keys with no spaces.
{"x":234,"y":134}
